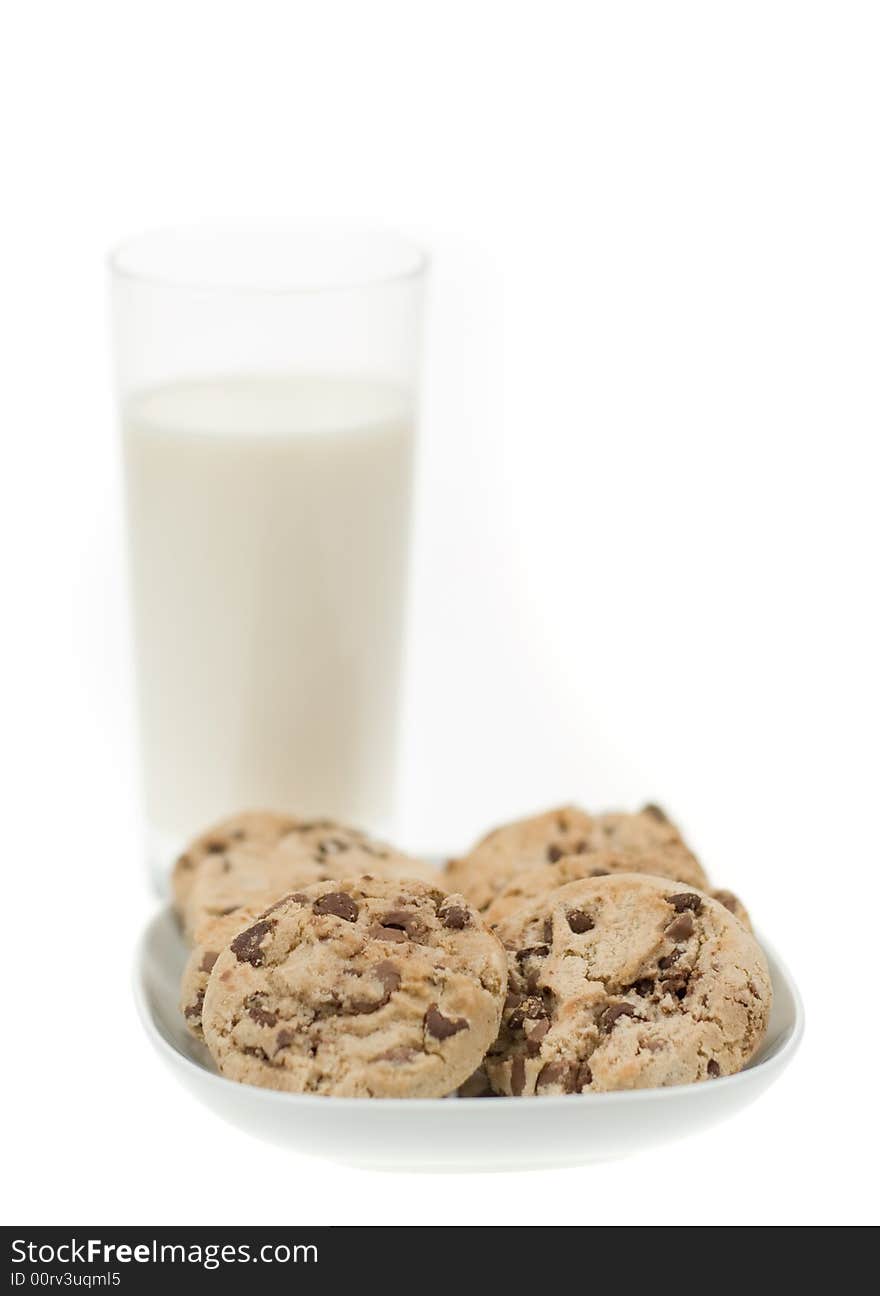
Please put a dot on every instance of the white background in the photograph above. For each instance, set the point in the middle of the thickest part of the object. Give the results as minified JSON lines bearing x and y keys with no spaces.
{"x":647,"y":542}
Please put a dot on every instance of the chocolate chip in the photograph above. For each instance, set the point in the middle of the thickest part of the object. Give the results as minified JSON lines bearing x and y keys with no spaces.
{"x":378,"y":932}
{"x":550,"y":1073}
{"x":476,"y":1086}
{"x":209,"y":958}
{"x":614,"y":1012}
{"x":531,"y":1008}
{"x":581,"y":848}
{"x":403,"y":919}
{"x":284,"y":1038}
{"x":533,"y":951}
{"x":535,"y":1032}
{"x":599,"y":873}
{"x":547,"y":930}
{"x":584,"y":1076}
{"x":561,"y":1073}
{"x":579,"y":921}
{"x":389,"y":976}
{"x":655,"y":812}
{"x":677,"y":986}
{"x":518,"y":1076}
{"x":215,"y":847}
{"x":728,"y":899}
{"x":246,"y":946}
{"x":442,"y":1027}
{"x":454,"y":917}
{"x":644,"y":987}
{"x":681,"y":928}
{"x":339,"y":904}
{"x":517,"y":1012}
{"x":570,"y":1083}
{"x":195,"y":1009}
{"x":554,"y":853}
{"x":713,"y":1069}
{"x":512,"y":1001}
{"x":668,"y":960}
{"x":262,"y":1016}
{"x":686,"y":900}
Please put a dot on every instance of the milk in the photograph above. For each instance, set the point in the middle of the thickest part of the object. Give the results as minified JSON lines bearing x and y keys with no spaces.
{"x":268,"y":521}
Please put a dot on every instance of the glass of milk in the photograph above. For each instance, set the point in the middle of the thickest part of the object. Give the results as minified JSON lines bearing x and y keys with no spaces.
{"x":267,"y":400}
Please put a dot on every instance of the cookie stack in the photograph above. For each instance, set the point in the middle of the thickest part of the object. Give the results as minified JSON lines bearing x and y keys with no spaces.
{"x":566,"y":953}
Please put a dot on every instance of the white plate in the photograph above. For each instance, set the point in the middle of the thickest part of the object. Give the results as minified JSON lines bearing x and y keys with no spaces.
{"x":452,"y":1134}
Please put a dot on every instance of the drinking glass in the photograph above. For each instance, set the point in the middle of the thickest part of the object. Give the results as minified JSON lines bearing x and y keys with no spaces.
{"x":267,"y":396}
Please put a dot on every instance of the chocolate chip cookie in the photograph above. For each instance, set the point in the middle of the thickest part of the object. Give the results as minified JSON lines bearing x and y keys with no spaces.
{"x":358,"y":988}
{"x":257,"y":828}
{"x":626,"y":982}
{"x":546,"y":838}
{"x":310,"y":852}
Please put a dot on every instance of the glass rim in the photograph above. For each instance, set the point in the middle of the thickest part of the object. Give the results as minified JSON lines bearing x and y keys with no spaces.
{"x":364,"y":260}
